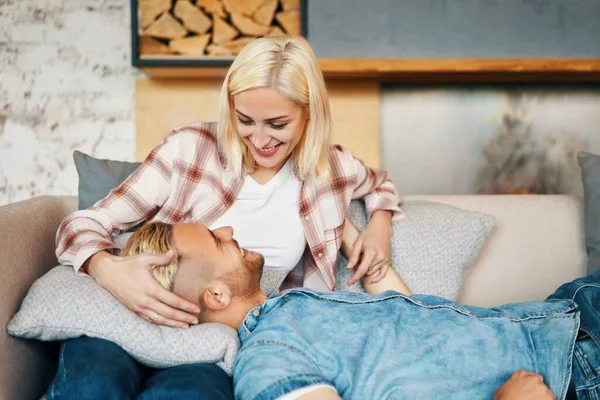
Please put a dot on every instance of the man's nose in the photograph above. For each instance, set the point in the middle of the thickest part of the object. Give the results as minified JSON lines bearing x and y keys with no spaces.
{"x":224,"y":233}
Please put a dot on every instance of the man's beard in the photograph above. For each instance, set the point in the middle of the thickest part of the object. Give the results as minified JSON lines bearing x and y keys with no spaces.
{"x":245,"y":282}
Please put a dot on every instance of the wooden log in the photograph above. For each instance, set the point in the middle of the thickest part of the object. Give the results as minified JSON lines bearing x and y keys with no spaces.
{"x":288,"y":5}
{"x":150,"y":9}
{"x":246,"y":7}
{"x":229,"y":48}
{"x":193,"y":18}
{"x":193,"y":45}
{"x":214,"y":7}
{"x":290,"y":21}
{"x":265,"y":13}
{"x":222,"y":31}
{"x":216,"y":50}
{"x":147,"y":45}
{"x":166,"y":27}
{"x":276,"y":32}
{"x":248,"y":26}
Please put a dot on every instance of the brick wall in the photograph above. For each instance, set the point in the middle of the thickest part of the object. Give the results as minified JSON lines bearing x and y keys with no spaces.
{"x":66,"y":83}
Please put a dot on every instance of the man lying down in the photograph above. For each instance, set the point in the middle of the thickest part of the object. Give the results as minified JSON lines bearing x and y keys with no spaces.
{"x":307,"y":345}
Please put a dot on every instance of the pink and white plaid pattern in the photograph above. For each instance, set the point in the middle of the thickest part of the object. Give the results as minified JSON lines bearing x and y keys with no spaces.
{"x":184,"y":179}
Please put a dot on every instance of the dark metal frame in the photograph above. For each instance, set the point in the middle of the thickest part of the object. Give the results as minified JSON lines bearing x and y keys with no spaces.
{"x":137,"y":62}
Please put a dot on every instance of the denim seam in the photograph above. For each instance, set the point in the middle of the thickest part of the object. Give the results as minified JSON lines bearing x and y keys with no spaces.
{"x":569,"y":367}
{"x":534,"y":350}
{"x":583,"y":363}
{"x":593,"y":336}
{"x":461,"y":310}
{"x":293,"y":348}
{"x":530,"y":320}
{"x":246,"y":330}
{"x":590,"y":392}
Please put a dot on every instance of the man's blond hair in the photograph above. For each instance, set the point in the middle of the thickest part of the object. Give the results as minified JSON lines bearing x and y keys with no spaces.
{"x":155,"y":238}
{"x":289,"y":66}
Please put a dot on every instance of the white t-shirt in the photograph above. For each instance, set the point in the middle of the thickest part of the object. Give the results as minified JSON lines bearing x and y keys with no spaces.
{"x":265,"y":219}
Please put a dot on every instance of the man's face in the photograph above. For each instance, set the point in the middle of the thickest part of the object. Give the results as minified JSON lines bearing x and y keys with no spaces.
{"x":207,"y":255}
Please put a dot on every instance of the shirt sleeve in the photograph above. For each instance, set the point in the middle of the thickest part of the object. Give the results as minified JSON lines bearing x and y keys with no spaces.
{"x":86,"y":232}
{"x":266,"y":370}
{"x":306,"y":390}
{"x":375,"y":187}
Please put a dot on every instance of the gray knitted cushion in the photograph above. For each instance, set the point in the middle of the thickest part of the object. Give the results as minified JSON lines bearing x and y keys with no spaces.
{"x":431,"y":248}
{"x":61,"y":305}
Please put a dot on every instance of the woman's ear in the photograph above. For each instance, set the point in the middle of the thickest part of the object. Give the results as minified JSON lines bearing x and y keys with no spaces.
{"x":215,"y":296}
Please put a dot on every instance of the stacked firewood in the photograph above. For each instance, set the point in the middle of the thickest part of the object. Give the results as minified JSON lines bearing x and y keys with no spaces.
{"x":219,"y":28}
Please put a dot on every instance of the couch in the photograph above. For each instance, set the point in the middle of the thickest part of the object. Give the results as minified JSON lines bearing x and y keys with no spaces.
{"x":537,"y":244}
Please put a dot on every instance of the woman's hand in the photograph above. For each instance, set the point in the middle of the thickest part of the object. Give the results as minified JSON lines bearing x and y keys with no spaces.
{"x":372,"y":248}
{"x":130,"y":280}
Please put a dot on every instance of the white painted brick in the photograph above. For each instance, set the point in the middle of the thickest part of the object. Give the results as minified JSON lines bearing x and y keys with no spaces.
{"x":66,"y":76}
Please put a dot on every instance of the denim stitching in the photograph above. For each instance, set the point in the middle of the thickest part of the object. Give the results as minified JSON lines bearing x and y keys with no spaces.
{"x":569,"y":367}
{"x":590,"y":393}
{"x":290,"y":347}
{"x":583,"y":363}
{"x":451,"y":306}
{"x":534,"y":350}
{"x":246,"y":330}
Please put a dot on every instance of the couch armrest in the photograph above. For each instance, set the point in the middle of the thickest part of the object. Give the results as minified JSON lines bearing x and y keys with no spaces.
{"x":27,"y":234}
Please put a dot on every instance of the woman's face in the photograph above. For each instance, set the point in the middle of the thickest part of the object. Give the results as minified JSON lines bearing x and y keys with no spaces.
{"x":270,"y":124}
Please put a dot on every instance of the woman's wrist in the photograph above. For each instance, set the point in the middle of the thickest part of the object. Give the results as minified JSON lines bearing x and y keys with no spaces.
{"x":382,"y":219}
{"x":95,"y":262}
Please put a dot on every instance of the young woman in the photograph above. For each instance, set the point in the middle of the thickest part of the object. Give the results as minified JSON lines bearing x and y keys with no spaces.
{"x":266,"y":168}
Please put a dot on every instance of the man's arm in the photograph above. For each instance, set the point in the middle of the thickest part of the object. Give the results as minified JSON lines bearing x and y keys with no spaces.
{"x":267,"y":369}
{"x":391,"y":281}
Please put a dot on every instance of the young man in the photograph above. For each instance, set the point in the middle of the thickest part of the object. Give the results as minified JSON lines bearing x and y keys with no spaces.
{"x":303,"y":344}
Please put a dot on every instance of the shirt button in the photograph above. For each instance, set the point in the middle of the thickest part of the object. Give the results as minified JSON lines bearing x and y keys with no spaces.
{"x":320,"y":255}
{"x":307,"y":218}
{"x":286,"y":296}
{"x":590,"y":376}
{"x":256,"y":313}
{"x":518,"y":319}
{"x":585,"y":356}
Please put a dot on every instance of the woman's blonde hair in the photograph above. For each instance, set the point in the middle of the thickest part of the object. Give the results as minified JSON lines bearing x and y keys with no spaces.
{"x":155,"y":238}
{"x":289,"y":66}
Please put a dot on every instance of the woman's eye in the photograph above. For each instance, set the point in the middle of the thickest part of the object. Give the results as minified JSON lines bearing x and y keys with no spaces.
{"x":278,"y":127}
{"x":245,"y":122}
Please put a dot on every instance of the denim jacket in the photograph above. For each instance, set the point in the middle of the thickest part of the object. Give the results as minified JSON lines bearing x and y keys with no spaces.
{"x":392,"y":346}
{"x":586,"y":363}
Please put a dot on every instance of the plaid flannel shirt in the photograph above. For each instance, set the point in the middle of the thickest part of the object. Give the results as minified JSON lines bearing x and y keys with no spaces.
{"x":185,"y":179}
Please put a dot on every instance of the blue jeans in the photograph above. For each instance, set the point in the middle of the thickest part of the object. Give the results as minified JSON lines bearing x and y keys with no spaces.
{"x":586,"y":356}
{"x":91,"y":368}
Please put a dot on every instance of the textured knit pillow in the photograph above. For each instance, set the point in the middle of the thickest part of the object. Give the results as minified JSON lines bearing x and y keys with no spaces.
{"x":98,"y":177}
{"x":590,"y":173}
{"x":61,"y":305}
{"x":431,"y":248}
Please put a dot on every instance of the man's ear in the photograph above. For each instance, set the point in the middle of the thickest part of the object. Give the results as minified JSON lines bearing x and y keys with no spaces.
{"x":216,"y":296}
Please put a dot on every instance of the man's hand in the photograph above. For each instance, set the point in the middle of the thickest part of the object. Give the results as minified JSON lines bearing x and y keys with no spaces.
{"x":524,"y":385}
